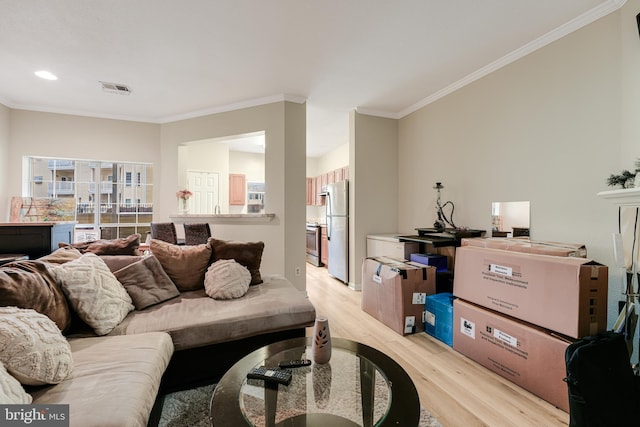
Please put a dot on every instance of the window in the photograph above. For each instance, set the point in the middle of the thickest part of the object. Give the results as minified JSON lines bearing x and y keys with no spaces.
{"x":101,"y":192}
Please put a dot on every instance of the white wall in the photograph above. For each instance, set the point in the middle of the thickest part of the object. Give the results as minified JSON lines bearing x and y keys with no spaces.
{"x":545,"y":129}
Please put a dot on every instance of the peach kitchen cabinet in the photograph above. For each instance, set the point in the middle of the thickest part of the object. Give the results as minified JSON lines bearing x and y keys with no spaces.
{"x":237,"y":189}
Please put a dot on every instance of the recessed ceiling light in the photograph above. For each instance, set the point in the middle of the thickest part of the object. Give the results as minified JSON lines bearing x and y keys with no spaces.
{"x":47,"y":75}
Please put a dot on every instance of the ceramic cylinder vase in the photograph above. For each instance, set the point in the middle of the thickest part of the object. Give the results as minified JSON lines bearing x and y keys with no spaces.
{"x":321,"y":343}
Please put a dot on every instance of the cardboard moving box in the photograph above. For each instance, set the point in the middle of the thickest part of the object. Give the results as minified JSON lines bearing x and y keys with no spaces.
{"x":528,"y":246}
{"x":566,"y":295}
{"x":395,"y":292}
{"x":528,"y":356}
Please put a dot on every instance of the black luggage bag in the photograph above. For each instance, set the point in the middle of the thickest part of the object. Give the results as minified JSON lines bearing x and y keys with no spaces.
{"x":603,"y":390}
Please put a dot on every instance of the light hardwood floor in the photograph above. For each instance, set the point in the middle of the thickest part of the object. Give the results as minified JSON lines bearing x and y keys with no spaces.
{"x":455,"y":389}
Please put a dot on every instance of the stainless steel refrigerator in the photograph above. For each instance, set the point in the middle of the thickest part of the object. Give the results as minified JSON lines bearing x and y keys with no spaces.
{"x":337,"y":208}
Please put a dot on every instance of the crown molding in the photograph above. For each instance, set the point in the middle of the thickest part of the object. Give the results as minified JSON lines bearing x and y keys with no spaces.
{"x":236,"y":106}
{"x":575,"y":24}
{"x":377,"y":113}
{"x":167,"y":119}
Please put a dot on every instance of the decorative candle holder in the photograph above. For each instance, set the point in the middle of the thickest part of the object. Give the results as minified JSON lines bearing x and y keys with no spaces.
{"x":321,"y":343}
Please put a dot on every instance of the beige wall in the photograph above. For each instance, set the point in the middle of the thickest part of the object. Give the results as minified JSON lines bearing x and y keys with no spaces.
{"x":373,"y":189}
{"x":284,"y":124}
{"x":5,"y":126}
{"x":545,"y":129}
{"x":334,"y":159}
{"x":59,"y":135}
{"x":206,"y":156}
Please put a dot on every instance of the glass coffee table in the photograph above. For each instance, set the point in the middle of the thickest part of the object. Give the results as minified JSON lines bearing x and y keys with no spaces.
{"x":360,"y":386}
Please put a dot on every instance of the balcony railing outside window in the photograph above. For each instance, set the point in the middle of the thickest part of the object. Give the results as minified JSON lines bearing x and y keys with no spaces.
{"x":102,"y":191}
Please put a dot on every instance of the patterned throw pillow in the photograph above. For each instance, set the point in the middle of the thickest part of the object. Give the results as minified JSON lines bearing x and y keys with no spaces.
{"x":226,"y":279}
{"x":33,"y":349}
{"x":94,"y":292}
{"x":248,"y":254}
{"x":11,"y":391}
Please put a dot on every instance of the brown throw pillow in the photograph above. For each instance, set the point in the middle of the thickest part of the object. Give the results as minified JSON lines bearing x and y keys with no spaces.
{"x":248,"y":254}
{"x":123,"y":246}
{"x":62,"y":255}
{"x":186,"y":265}
{"x":117,"y":262}
{"x":146,"y":282}
{"x":30,"y":284}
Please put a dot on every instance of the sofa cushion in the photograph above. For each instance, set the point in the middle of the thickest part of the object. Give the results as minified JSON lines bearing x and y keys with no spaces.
{"x":11,"y":391}
{"x":195,"y":320}
{"x":146,"y":282}
{"x":248,"y":254}
{"x":185,"y":265}
{"x":30,"y":284}
{"x":33,"y":349}
{"x":226,"y":279}
{"x":94,"y":292}
{"x":61,"y":255}
{"x":123,"y":246}
{"x":115,"y":380}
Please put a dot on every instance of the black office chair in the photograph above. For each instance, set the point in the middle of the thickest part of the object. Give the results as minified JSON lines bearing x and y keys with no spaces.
{"x":196,"y":234}
{"x":164,"y":231}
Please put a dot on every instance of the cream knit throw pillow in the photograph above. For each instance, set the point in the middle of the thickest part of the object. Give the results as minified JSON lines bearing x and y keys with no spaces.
{"x":94,"y":292}
{"x":32,"y":348}
{"x":11,"y":391}
{"x":226,"y":279}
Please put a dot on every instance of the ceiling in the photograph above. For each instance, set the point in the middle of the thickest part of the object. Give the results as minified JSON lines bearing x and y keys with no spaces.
{"x":195,"y":57}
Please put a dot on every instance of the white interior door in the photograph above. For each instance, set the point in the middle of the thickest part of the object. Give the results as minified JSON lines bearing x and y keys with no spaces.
{"x":206,"y":191}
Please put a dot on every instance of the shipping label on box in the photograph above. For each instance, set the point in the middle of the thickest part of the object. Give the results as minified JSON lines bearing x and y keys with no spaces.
{"x":394,"y":292}
{"x":567,"y":295}
{"x":527,"y":355}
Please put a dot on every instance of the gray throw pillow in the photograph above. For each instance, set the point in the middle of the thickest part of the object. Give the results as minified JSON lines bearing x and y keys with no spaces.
{"x":146,"y":282}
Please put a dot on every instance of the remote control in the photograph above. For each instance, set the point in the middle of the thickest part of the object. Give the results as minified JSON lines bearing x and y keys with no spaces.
{"x":294,"y":363}
{"x":282,"y":376}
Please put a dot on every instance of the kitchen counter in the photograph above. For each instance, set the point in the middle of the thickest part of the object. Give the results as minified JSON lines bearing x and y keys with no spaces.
{"x":252,"y":218}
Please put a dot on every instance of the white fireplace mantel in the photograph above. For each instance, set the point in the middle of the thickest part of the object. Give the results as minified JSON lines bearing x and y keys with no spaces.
{"x":623,"y":197}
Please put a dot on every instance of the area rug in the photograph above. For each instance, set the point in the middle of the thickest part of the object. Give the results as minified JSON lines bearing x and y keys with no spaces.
{"x":191,"y":408}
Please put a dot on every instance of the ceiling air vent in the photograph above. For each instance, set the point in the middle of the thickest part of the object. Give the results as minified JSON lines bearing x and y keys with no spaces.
{"x":116,"y":88}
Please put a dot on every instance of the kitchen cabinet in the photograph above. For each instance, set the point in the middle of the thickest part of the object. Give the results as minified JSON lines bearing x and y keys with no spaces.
{"x":324,"y":246}
{"x":237,"y":189}
{"x":311,"y":192}
{"x":318,"y":185}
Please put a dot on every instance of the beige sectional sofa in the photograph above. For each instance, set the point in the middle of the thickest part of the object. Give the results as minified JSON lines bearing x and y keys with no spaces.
{"x":177,"y":342}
